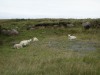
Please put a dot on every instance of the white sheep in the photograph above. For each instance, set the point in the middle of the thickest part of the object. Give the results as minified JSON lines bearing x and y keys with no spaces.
{"x":29,"y":40}
{"x":71,"y":37}
{"x":35,"y":39}
{"x":25,"y":42}
{"x":18,"y":46}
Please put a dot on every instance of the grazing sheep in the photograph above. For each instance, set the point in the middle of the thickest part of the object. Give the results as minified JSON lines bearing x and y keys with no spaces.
{"x":18,"y":46}
{"x":25,"y":42}
{"x":71,"y":37}
{"x":35,"y":39}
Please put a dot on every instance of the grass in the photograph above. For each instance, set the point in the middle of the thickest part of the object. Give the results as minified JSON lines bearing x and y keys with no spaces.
{"x":53,"y":54}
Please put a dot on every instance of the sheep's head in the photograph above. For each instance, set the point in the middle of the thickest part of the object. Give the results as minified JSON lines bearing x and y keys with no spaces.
{"x":35,"y":39}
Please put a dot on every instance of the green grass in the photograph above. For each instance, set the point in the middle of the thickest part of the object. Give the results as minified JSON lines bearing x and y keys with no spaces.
{"x":53,"y":54}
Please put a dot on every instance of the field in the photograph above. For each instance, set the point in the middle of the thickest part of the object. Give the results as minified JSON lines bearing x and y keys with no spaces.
{"x":54,"y":53}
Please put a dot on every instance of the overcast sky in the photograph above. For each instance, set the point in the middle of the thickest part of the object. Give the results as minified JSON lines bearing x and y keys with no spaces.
{"x":49,"y":9}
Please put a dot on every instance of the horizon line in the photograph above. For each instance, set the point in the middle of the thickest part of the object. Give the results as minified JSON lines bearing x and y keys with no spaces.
{"x":48,"y":18}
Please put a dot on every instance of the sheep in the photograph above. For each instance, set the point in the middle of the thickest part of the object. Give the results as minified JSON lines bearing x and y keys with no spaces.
{"x":35,"y":39}
{"x":29,"y":40}
{"x":71,"y":37}
{"x":25,"y":42}
{"x":18,"y":46}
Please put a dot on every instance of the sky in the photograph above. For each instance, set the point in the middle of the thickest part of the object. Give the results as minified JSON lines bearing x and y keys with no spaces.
{"x":10,"y":9}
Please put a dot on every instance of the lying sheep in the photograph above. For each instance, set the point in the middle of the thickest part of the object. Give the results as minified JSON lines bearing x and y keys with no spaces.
{"x":18,"y":46}
{"x":71,"y":37}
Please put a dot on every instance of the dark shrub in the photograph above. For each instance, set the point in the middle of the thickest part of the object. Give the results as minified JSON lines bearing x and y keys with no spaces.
{"x":86,"y":25}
